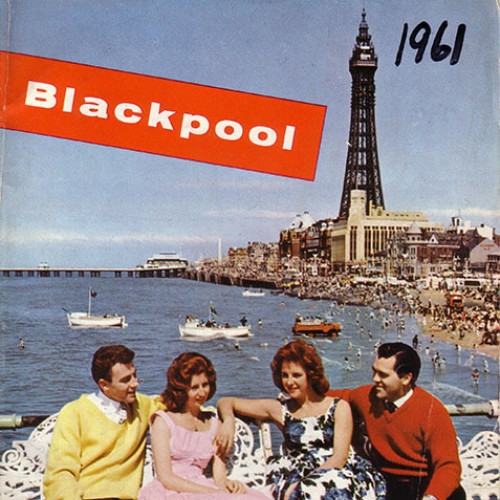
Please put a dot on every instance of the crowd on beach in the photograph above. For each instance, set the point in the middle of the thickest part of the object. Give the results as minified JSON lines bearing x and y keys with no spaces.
{"x":476,"y":325}
{"x":479,"y":322}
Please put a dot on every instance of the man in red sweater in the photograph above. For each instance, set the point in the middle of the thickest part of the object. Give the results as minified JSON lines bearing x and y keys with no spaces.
{"x":405,"y":431}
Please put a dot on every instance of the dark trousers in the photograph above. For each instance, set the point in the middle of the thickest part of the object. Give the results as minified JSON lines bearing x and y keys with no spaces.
{"x":413,"y":488}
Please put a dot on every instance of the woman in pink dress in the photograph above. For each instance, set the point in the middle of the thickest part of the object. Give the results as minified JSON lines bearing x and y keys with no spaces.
{"x":182,"y":439}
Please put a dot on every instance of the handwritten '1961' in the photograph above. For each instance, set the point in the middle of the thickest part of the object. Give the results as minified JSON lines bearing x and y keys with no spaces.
{"x":420,"y":36}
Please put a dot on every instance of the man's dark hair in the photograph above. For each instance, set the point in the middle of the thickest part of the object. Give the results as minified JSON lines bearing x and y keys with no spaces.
{"x":106,"y":357}
{"x":407,"y":359}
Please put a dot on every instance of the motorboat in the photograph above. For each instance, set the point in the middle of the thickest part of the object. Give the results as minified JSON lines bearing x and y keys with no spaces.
{"x":195,"y":329}
{"x":253,"y":293}
{"x":315,"y":327}
{"x":199,"y":330}
{"x":87,"y":320}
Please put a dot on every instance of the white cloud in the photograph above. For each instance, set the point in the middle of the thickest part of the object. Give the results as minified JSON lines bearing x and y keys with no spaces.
{"x":62,"y":237}
{"x":464,"y":212}
{"x":249,"y":214}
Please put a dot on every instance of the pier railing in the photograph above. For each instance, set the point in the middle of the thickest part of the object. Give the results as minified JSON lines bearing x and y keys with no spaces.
{"x":487,"y":408}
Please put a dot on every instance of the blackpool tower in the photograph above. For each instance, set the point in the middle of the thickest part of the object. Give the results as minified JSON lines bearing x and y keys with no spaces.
{"x":362,"y":168}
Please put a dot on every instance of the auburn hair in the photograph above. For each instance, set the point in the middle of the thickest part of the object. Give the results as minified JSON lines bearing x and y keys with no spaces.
{"x":179,"y":376}
{"x":304,"y":354}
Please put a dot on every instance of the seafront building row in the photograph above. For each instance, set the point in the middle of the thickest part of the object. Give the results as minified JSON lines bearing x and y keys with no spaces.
{"x":403,"y":244}
{"x":436,"y":260}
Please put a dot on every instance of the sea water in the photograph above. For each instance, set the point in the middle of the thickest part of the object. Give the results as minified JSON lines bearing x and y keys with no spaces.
{"x":54,"y":367}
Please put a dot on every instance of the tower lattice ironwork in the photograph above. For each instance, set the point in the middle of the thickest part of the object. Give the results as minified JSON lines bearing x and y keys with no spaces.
{"x":362,"y":166}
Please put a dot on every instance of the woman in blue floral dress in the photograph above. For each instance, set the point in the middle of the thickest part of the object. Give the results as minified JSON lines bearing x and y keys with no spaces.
{"x":316,"y":460}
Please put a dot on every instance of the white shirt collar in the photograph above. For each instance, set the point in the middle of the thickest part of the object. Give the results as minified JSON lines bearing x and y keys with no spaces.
{"x":114,"y":410}
{"x":402,"y":400}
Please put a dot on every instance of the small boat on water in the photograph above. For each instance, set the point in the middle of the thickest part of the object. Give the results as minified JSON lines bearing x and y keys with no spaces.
{"x":315,"y":327}
{"x":253,"y":293}
{"x":86,"y":320}
{"x":194,"y":329}
{"x":198,"y":330}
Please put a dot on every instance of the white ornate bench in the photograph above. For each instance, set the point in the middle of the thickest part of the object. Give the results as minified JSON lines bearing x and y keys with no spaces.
{"x":22,"y":466}
{"x":481,"y":466}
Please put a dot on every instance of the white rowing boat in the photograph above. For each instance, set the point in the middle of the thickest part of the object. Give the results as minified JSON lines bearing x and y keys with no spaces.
{"x":87,"y":320}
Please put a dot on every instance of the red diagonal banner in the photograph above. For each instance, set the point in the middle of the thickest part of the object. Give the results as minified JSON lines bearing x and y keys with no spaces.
{"x":160,"y":116}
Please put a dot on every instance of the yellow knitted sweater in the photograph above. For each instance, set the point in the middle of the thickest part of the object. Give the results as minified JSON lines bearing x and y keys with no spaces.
{"x":93,"y":457}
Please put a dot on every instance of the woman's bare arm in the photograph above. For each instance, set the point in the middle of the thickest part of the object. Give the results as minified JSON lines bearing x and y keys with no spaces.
{"x":260,"y":409}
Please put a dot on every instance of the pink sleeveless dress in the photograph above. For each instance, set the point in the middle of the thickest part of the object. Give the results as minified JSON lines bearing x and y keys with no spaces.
{"x":191,"y":453}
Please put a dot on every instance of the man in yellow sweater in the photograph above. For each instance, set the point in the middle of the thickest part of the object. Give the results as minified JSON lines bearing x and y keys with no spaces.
{"x":97,"y":450}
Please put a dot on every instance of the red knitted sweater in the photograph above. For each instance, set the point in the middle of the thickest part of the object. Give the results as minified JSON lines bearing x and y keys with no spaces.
{"x":418,"y":439}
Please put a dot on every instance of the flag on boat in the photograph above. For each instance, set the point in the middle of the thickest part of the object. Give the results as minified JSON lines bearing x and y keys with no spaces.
{"x":212,"y":308}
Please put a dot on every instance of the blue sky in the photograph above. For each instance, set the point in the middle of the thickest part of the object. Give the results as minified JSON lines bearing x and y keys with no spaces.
{"x":75,"y":204}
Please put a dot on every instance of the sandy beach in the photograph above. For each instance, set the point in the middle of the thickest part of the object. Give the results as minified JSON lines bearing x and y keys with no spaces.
{"x":431,"y":327}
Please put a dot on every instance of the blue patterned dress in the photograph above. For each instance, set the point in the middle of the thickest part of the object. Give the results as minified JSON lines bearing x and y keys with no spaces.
{"x":308,"y":442}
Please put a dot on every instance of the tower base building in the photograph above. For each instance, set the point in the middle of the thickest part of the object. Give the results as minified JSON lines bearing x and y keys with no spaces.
{"x":361,"y":241}
{"x":365,"y":239}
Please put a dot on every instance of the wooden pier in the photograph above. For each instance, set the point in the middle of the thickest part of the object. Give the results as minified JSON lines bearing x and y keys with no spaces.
{"x":97,"y":272}
{"x":136,"y":272}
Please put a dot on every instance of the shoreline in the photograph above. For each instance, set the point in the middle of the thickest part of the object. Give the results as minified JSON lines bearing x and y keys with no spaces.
{"x":343,"y":290}
{"x":412,"y":302}
{"x":470,"y":341}
{"x":430,"y":327}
